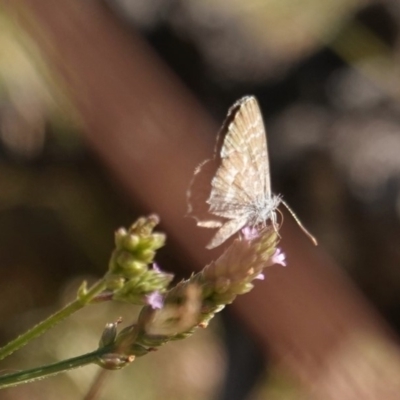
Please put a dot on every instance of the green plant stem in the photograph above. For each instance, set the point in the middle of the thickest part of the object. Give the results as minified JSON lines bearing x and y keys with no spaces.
{"x":82,"y":300}
{"x":33,"y":374}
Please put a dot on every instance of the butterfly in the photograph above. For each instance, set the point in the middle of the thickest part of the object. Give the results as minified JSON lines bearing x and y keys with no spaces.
{"x":239,"y":176}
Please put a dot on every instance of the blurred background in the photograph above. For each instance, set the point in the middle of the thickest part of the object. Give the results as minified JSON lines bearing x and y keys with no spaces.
{"x":326,"y":75}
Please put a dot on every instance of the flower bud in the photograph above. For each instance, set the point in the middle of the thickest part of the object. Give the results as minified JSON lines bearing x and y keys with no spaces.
{"x":119,"y":237}
{"x":114,"y":282}
{"x":113,"y":361}
{"x":131,"y":242}
{"x":147,"y":255}
{"x":109,"y":334}
{"x":129,"y":264}
{"x":158,"y":240}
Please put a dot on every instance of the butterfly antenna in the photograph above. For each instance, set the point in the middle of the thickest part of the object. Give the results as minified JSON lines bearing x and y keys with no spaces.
{"x":302,"y":227}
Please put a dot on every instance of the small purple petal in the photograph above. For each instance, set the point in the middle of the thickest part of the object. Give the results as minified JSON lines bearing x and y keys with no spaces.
{"x":156,"y":267}
{"x":155,"y":300}
{"x":260,"y":276}
{"x":249,"y":233}
{"x":279,"y":258}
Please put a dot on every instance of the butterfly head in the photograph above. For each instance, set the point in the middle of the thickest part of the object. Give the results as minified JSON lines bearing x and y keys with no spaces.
{"x":265,"y":211}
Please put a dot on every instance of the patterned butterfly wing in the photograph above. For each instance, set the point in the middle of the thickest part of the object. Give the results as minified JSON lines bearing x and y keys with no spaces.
{"x":243,"y":176}
{"x":239,"y":174}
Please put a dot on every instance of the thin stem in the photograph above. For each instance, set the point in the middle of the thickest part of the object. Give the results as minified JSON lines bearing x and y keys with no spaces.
{"x":41,"y":327}
{"x":33,"y":374}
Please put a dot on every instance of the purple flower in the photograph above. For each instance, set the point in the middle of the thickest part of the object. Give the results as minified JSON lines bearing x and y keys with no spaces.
{"x":278,"y":258}
{"x":155,"y":300}
{"x":156,"y":267}
{"x":260,"y":276}
{"x":250,"y":233}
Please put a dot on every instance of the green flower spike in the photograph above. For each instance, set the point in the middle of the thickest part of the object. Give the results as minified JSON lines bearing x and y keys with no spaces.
{"x":135,"y":248}
{"x":129,"y":277}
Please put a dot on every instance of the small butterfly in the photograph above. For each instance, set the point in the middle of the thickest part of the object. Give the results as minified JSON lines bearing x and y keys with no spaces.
{"x":239,"y":174}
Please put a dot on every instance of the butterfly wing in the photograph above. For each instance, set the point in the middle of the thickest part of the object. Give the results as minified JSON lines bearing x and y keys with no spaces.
{"x":239,"y":174}
{"x":199,"y":192}
{"x":243,"y":176}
